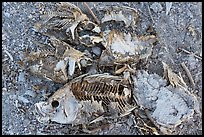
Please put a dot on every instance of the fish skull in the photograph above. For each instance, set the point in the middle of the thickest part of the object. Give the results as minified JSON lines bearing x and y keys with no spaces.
{"x":62,"y":107}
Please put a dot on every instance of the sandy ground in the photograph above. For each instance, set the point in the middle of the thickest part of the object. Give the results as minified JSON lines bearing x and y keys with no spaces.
{"x":179,"y":27}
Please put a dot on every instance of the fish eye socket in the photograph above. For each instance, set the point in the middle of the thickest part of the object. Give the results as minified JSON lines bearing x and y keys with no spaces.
{"x":55,"y":103}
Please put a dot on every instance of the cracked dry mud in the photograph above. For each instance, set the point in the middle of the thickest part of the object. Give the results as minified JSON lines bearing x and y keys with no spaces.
{"x":177,"y":27}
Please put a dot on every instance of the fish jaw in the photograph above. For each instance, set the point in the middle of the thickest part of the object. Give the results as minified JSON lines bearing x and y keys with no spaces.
{"x":42,"y":111}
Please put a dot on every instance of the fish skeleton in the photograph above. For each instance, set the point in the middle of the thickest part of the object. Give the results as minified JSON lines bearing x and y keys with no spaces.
{"x":85,"y":96}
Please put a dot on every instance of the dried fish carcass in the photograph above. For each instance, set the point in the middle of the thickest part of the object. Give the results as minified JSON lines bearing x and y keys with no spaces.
{"x":67,"y":23}
{"x":125,"y":14}
{"x":51,"y":61}
{"x":86,"y":97}
{"x":65,"y":19}
{"x":127,"y":48}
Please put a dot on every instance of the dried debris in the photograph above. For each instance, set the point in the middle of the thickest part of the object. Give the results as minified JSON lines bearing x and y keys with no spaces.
{"x":167,"y":106}
{"x":173,"y":78}
{"x":191,"y":53}
{"x":188,"y":74}
{"x":10,"y":56}
{"x":91,"y":12}
{"x":192,"y":30}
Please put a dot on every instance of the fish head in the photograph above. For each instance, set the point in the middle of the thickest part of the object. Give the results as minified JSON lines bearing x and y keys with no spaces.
{"x":61,"y":107}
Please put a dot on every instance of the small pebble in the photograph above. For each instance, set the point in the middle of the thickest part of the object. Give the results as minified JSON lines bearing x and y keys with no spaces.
{"x":130,"y":122}
{"x":21,"y":77}
{"x":96,"y":51}
{"x":153,"y":98}
{"x":83,"y":63}
{"x":7,"y":14}
{"x":26,"y":122}
{"x":4,"y":3}
{"x":4,"y":89}
{"x":30,"y":93}
{"x":23,"y":99}
{"x":30,"y":16}
{"x":168,"y":7}
{"x":3,"y":37}
{"x":156,"y":7}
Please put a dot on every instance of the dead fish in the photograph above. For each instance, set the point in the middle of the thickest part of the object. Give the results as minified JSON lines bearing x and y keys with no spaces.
{"x":84,"y":96}
{"x":124,"y":13}
{"x":126,"y":47}
{"x":66,"y":16}
{"x":52,"y":61}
